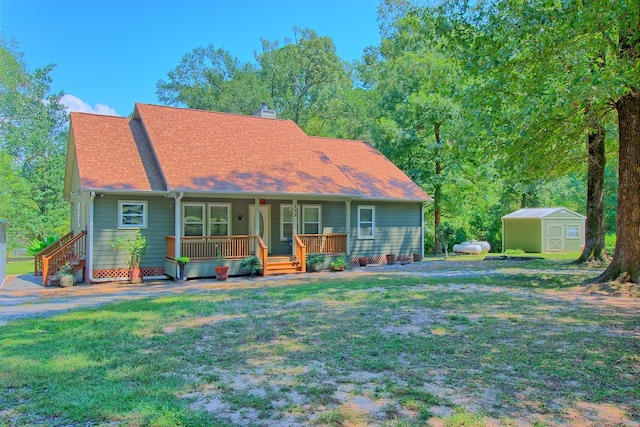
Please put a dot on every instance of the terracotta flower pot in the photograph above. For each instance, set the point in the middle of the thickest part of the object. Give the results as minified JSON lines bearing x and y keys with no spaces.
{"x":362,"y":261}
{"x":135,"y":275}
{"x":222,"y":272}
{"x":391,"y":259}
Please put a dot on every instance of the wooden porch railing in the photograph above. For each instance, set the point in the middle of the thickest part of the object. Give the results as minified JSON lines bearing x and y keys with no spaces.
{"x":301,"y":253}
{"x":37,"y":258}
{"x":324,"y":243}
{"x":263,"y":255}
{"x":72,"y":251}
{"x":208,"y":247}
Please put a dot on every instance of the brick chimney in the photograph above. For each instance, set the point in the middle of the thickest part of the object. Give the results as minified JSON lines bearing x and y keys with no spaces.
{"x":265,"y":112}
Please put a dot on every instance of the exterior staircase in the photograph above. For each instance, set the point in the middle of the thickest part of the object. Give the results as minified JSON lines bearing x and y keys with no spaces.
{"x":67,"y":252}
{"x":284,"y":264}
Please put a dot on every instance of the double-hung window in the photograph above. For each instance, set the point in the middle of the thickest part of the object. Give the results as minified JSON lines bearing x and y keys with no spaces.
{"x":193,"y":219}
{"x":366,"y":222}
{"x":206,"y":219}
{"x":132,"y":214}
{"x":287,"y":221}
{"x":311,"y":216}
{"x":219,"y":219}
{"x":310,"y":222}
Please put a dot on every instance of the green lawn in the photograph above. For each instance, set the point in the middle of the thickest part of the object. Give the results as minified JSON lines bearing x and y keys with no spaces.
{"x":391,"y":350}
{"x":15,"y":268}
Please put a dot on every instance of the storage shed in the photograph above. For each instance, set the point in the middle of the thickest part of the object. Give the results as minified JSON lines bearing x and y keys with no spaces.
{"x":3,"y":251}
{"x":543,"y":230}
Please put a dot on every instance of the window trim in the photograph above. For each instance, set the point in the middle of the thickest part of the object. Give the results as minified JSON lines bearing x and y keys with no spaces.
{"x":303,"y":222}
{"x":577,"y":228}
{"x":229,"y":217}
{"x":373,"y":222}
{"x":145,"y":214}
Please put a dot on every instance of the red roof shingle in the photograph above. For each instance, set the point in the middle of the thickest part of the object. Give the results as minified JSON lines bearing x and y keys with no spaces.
{"x":174,"y":149}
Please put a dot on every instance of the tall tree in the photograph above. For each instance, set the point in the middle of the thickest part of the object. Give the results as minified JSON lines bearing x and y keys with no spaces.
{"x":590,"y":52}
{"x":302,"y":75}
{"x":210,"y":78}
{"x":417,"y":83}
{"x":33,"y":147}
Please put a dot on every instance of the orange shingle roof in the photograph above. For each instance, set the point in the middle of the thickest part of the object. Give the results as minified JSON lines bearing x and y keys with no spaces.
{"x":174,"y":149}
{"x":108,"y":156}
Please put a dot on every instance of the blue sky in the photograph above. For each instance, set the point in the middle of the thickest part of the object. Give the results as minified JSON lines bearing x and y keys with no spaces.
{"x":109,"y":54}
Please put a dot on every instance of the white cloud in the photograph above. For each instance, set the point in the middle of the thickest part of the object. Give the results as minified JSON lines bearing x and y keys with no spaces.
{"x":73,"y":103}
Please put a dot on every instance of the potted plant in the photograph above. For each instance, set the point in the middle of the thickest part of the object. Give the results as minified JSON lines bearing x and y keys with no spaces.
{"x":136,"y":248}
{"x":363,"y":261}
{"x":222,"y":271}
{"x":340,"y":263}
{"x":314,"y":261}
{"x":252,"y":265}
{"x":391,"y":259}
{"x":182,"y":261}
{"x":417,"y":257}
{"x":66,"y":278}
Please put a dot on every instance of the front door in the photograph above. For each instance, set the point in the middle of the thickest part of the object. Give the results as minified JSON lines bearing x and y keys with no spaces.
{"x":264,"y":220}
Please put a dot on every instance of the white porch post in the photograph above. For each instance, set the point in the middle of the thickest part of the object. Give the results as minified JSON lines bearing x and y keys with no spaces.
{"x":348,"y":225}
{"x":422,"y":229}
{"x":296,"y":225}
{"x":256,"y":221}
{"x":177,"y":215}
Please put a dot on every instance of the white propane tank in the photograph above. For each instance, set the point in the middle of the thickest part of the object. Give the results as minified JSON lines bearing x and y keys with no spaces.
{"x":486,"y":247}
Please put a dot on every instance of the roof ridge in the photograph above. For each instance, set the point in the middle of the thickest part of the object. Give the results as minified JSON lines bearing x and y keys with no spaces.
{"x":225,"y":113}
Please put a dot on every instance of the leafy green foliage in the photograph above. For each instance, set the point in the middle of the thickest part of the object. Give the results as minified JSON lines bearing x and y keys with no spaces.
{"x":36,"y":245}
{"x":135,"y":248}
{"x":32,"y":150}
{"x":252,"y":265}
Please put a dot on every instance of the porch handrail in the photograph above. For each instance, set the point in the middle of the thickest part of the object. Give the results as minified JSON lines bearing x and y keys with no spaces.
{"x":301,"y":253}
{"x":70,"y":252}
{"x":208,"y":247}
{"x":328,"y":243}
{"x":263,"y":255}
{"x":37,"y":258}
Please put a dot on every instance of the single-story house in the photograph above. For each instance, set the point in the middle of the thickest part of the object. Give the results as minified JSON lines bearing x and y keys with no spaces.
{"x":204,"y":184}
{"x":3,"y":251}
{"x":543,"y":230}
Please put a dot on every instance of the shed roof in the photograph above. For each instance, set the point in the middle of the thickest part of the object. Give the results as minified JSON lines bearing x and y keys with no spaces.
{"x":533,"y":213}
{"x":175,"y":149}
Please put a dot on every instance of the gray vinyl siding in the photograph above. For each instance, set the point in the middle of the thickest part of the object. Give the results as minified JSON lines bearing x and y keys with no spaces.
{"x":160,"y":223}
{"x":398,"y":230}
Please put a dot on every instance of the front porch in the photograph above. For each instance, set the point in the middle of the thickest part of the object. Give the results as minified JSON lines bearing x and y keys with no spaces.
{"x":204,"y":253}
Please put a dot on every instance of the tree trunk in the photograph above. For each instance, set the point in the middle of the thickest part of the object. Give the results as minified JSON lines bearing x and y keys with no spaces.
{"x":625,"y":264}
{"x":437,"y":193}
{"x":594,"y":248}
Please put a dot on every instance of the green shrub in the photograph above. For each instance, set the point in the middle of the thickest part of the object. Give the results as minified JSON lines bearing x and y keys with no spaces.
{"x":252,"y":265}
{"x":514,"y":252}
{"x":610,"y":243}
{"x":314,"y":260}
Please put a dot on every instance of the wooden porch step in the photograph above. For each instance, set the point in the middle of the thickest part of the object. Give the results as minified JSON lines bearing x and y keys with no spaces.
{"x":282,"y":265}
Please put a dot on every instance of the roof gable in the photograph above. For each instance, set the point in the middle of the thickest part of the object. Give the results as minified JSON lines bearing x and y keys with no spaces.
{"x":534,"y":213}
{"x":111,"y":154}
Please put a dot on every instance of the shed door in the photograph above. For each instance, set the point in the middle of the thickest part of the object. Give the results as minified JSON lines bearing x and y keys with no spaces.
{"x":555,"y":238}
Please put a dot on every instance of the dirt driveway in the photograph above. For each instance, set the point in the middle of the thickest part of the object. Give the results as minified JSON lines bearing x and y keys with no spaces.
{"x":23,"y":296}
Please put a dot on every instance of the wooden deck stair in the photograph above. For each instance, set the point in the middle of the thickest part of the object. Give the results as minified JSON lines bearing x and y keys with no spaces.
{"x":282,"y":265}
